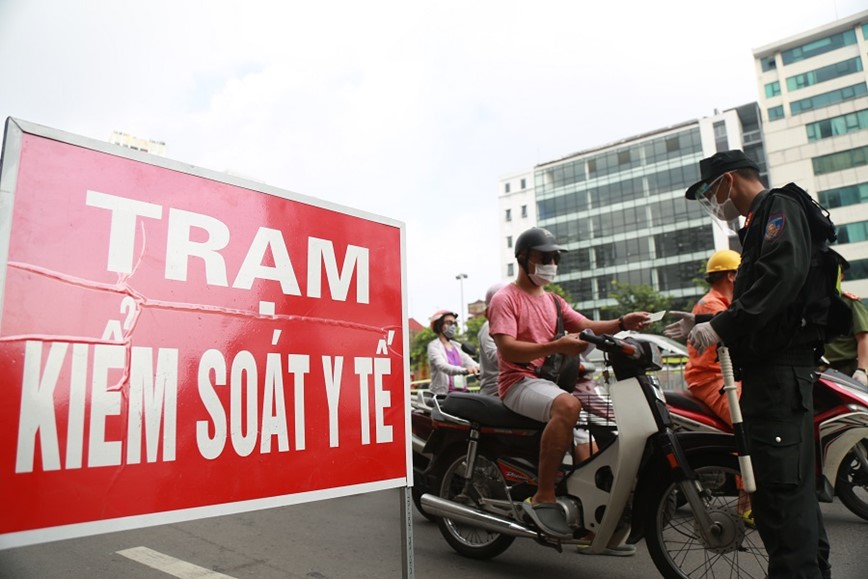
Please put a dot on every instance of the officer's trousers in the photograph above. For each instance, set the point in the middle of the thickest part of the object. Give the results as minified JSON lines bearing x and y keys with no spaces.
{"x":778,"y":413}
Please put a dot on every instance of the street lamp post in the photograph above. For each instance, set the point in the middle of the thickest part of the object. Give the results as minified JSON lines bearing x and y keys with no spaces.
{"x":461,"y":277}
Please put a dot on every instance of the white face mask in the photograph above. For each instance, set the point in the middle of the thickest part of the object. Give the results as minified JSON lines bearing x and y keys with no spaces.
{"x":449,"y":332}
{"x":725,"y":211}
{"x":544,"y":274}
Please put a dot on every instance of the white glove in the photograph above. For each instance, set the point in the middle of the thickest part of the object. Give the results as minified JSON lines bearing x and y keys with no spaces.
{"x":702,"y":336}
{"x":679,"y":330}
{"x":860,"y":376}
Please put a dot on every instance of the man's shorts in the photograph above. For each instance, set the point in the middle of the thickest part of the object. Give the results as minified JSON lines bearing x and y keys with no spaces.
{"x":532,"y":397}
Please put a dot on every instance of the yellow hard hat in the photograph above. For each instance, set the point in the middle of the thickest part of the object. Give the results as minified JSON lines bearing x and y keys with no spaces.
{"x":723,"y":260}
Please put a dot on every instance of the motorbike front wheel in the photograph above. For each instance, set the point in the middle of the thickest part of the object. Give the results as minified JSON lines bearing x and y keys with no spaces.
{"x":672,"y":534}
{"x":852,"y":484}
{"x":486,"y":490}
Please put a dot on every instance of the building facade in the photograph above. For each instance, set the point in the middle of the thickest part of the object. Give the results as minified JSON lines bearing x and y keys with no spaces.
{"x":138,"y":143}
{"x":814,"y":100}
{"x":517,"y":203}
{"x":620,"y":210}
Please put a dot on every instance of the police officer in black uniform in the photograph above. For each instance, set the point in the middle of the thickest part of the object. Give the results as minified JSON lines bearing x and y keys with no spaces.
{"x":775,"y":357}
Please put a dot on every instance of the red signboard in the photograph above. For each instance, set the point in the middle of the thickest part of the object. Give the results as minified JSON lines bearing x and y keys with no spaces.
{"x":175,"y":343}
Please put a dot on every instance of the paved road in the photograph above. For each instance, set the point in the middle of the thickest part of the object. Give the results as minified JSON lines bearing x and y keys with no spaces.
{"x":352,"y":537}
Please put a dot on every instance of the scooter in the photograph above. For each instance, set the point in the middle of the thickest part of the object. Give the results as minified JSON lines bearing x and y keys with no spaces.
{"x":678,"y":490}
{"x":840,"y":431}
{"x":596,"y":417}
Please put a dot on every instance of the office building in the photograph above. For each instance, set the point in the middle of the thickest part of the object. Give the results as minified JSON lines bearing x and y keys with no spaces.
{"x":620,"y":209}
{"x":138,"y":143}
{"x":517,"y":203}
{"x":814,"y":101}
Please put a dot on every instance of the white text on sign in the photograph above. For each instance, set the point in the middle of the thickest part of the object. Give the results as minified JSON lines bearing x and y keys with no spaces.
{"x":152,"y":404}
{"x":181,"y":248}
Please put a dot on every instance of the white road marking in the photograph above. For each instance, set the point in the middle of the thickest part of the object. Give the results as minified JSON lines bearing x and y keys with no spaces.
{"x":170,"y":565}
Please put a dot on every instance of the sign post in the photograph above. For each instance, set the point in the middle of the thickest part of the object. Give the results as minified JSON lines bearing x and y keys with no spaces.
{"x":177,"y":343}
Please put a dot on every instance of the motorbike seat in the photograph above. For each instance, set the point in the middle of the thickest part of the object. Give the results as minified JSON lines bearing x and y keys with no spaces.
{"x":685,"y":400}
{"x":487,"y":411}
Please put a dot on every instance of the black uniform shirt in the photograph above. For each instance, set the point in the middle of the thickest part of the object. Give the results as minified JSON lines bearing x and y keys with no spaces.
{"x":774,"y":266}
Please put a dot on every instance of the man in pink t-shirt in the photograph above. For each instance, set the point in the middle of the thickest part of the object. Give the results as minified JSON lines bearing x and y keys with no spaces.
{"x":523,"y":321}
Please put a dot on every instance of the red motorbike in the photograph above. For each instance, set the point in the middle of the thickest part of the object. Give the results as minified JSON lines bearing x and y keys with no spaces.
{"x":840,"y":432}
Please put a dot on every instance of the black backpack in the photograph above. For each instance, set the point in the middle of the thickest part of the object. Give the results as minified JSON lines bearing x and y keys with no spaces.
{"x":822,"y":304}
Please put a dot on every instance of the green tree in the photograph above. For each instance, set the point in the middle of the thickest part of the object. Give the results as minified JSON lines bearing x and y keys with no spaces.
{"x":556,"y":289}
{"x":419,"y":352}
{"x":471,"y":334}
{"x":637,"y":298}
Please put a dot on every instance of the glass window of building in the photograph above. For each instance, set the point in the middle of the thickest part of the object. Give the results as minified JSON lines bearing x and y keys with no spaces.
{"x":773,"y":89}
{"x":545,"y":208}
{"x":865,"y":31}
{"x":853,"y":232}
{"x":580,"y":290}
{"x":840,"y":125}
{"x":524,"y":183}
{"x":668,"y":147}
{"x":524,"y":210}
{"x":844,"y":196}
{"x":604,"y":286}
{"x":776,"y":113}
{"x":636,"y":277}
{"x":509,"y":241}
{"x":858,"y":270}
{"x":575,"y":261}
{"x":818,"y":47}
{"x":823,"y":74}
{"x":510,"y":269}
{"x":841,"y":160}
{"x":565,"y":231}
{"x":509,"y":214}
{"x":768,"y":63}
{"x":506,"y":188}
{"x":829,"y":98}
{"x":679,"y":275}
{"x":675,"y":243}
{"x":720,"y":141}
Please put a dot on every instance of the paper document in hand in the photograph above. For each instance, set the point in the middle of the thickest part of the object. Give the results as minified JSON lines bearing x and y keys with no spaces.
{"x":657,"y":316}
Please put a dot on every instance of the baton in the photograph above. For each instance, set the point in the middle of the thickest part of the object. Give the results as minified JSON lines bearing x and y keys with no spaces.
{"x":741,"y":443}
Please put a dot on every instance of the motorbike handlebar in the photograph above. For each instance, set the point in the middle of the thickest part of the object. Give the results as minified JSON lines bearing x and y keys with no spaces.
{"x":610,"y":344}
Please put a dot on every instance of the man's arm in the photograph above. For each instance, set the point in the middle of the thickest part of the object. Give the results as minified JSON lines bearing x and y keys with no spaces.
{"x":519,"y":352}
{"x":631,"y":321}
{"x":862,"y":350}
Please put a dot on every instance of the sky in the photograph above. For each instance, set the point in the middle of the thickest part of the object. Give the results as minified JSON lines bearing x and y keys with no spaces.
{"x":409,"y":109}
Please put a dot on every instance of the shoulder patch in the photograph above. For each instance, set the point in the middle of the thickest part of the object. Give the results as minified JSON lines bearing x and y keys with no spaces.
{"x":774,"y":226}
{"x":853,"y":297}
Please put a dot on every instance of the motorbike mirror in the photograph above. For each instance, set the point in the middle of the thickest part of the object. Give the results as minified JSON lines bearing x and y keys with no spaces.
{"x":468,"y":349}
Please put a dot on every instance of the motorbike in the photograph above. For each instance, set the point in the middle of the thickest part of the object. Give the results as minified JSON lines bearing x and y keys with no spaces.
{"x":840,"y":434}
{"x":679,"y":490}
